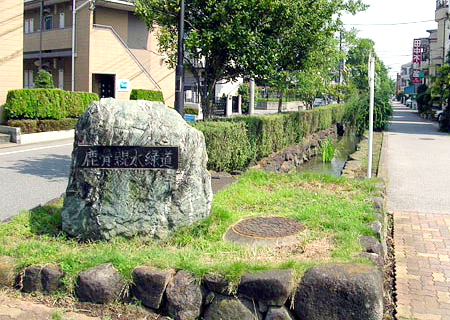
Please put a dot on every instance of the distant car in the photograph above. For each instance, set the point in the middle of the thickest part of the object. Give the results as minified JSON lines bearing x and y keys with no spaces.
{"x":408,"y":103}
{"x":438,"y":115}
{"x":318,"y":102}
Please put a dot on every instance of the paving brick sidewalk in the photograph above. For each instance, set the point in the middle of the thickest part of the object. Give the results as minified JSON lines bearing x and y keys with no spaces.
{"x":422,"y":249}
{"x":16,"y":309}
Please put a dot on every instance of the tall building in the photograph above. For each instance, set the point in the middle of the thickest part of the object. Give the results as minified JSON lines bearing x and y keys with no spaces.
{"x":11,"y":48}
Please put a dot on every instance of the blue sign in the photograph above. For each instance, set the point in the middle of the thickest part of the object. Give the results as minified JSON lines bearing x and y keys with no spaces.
{"x":189,"y":117}
{"x":410,"y":89}
{"x":123,"y":84}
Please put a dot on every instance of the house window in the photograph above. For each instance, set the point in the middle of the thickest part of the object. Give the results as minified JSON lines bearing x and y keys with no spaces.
{"x":28,"y":79}
{"x":29,"y":25}
{"x":61,"y":20}
{"x":48,"y":22}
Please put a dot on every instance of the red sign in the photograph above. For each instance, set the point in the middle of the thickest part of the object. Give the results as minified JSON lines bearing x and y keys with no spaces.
{"x":416,"y":59}
{"x":417,"y":51}
{"x":416,"y":76}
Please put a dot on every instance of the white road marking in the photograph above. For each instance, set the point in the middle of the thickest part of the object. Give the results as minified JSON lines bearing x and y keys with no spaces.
{"x":34,"y":149}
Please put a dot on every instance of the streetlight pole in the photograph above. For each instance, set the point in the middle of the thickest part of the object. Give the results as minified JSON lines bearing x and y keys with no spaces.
{"x":74,"y":17}
{"x":179,"y":81}
{"x":371,"y":106}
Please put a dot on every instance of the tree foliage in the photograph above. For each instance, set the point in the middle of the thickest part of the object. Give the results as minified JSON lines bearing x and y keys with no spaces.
{"x":227,"y":39}
{"x":43,"y":80}
{"x":441,"y":88}
{"x":358,"y":87}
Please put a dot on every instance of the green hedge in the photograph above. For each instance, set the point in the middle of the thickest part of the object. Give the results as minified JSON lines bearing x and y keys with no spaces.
{"x":232,"y":148}
{"x":33,"y":126}
{"x":46,"y":103}
{"x":226,"y":143}
{"x":142,"y":94}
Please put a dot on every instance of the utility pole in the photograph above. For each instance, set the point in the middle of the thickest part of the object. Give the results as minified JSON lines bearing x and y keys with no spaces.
{"x":41,"y":26}
{"x":251,"y":107}
{"x":341,"y":61}
{"x":371,"y":103}
{"x":179,"y":81}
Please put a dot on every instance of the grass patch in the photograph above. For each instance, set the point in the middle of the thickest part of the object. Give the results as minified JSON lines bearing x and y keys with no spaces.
{"x":334,"y":210}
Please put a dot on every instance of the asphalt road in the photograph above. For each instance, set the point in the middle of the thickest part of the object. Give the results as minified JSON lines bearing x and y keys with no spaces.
{"x":417,"y":164}
{"x":32,"y":175}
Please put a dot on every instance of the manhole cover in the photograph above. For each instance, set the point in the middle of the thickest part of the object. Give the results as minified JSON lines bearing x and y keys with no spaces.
{"x":268,"y":227}
{"x":427,"y":139}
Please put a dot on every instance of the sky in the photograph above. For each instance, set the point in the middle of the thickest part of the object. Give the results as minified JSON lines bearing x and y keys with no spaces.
{"x":393,"y":43}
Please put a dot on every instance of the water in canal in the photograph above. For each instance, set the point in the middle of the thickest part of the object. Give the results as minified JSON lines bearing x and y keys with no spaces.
{"x":345,"y":146}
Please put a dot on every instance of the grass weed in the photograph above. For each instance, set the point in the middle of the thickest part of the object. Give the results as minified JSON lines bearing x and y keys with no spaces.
{"x":335,"y":211}
{"x":328,"y":150}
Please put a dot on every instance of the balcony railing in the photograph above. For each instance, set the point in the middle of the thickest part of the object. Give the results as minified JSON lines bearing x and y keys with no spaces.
{"x":54,"y":39}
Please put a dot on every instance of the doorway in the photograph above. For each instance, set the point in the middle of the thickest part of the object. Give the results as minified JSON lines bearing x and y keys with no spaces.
{"x":104,"y":85}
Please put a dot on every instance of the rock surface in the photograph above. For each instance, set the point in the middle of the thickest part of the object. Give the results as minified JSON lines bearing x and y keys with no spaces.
{"x":100,"y":284}
{"x":340,"y":291}
{"x":149,"y":285}
{"x":280,"y":313}
{"x":216,"y":283}
{"x":231,"y":308}
{"x":377,"y":227}
{"x":31,"y":279}
{"x":272,"y":287}
{"x":51,"y":278}
{"x":371,"y":245}
{"x":184,"y":297}
{"x":375,"y":258}
{"x":102,"y":203}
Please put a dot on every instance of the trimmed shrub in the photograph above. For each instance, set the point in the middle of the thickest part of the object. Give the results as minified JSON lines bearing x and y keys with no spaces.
{"x":189,"y":110}
{"x":33,"y":126}
{"x":46,"y":103}
{"x":234,"y":142}
{"x":143,"y":94}
{"x":270,"y":133}
{"x":226,"y":144}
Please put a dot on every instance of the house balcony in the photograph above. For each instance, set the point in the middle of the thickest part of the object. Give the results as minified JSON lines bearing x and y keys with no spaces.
{"x":55,"y":39}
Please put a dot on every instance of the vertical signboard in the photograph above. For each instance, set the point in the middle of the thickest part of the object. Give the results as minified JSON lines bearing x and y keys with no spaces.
{"x":416,"y":60}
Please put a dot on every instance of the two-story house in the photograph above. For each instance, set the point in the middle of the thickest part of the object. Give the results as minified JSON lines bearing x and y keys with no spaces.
{"x":11,"y":48}
{"x":114,"y":52}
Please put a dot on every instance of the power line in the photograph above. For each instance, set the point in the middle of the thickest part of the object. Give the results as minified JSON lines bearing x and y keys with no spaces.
{"x":394,"y":55}
{"x":385,"y":24}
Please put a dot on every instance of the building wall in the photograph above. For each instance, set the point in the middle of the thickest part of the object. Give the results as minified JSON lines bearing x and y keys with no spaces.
{"x":11,"y":48}
{"x":109,"y":56}
{"x":442,"y":34}
{"x":83,"y":48}
{"x":118,"y":19}
{"x":137,"y":37}
{"x":160,"y":71}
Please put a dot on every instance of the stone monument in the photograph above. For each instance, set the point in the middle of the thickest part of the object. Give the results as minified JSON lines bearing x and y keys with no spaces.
{"x":137,"y":168}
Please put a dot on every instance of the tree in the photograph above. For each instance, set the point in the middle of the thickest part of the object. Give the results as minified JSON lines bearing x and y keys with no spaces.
{"x":441,"y":87}
{"x":227,"y":39}
{"x":357,"y":79}
{"x":423,"y":98}
{"x":44,"y":79}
